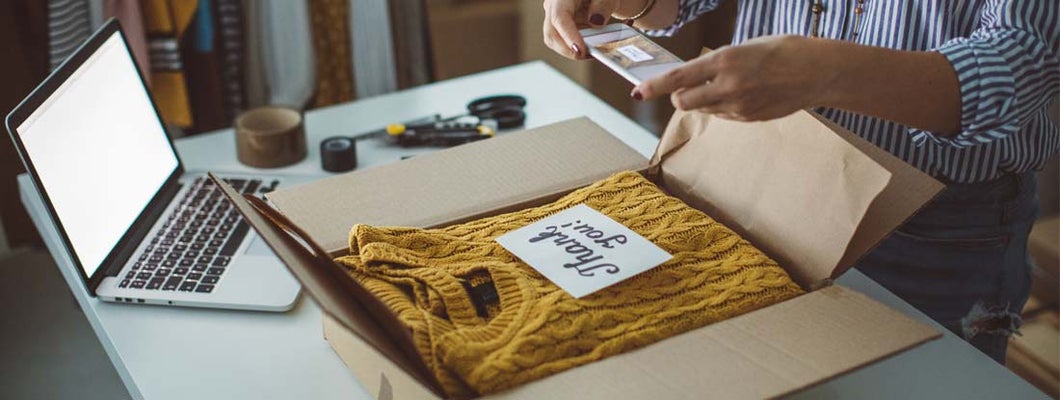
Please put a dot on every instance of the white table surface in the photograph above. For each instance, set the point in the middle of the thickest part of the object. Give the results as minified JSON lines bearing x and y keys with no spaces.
{"x":179,"y":353}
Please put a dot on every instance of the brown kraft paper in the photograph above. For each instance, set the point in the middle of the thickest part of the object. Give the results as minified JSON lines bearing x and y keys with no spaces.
{"x":791,"y":186}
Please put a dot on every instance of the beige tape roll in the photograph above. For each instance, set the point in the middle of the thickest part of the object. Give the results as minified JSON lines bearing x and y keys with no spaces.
{"x":270,"y":137}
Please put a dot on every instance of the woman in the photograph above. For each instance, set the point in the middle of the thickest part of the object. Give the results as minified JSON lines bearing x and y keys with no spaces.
{"x":958,"y":89}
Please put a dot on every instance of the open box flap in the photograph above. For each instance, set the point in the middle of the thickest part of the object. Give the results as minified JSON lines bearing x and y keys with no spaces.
{"x":790,"y":186}
{"x":458,"y":183}
{"x":909,"y":190}
{"x":767,"y":353}
{"x":339,"y":296}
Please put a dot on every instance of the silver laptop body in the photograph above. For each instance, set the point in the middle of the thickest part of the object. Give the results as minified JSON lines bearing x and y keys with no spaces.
{"x":139,"y":227}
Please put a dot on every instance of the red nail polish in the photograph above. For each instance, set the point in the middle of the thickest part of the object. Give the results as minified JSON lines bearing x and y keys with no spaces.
{"x":636,"y":95}
{"x":576,"y":50}
{"x":629,"y":22}
{"x":596,"y":19}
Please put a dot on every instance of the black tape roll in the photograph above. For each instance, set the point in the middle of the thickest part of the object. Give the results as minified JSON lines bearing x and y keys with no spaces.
{"x":338,"y":154}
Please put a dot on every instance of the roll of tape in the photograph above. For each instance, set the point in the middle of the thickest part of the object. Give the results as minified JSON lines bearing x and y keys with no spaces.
{"x":270,"y":137}
{"x":338,"y":154}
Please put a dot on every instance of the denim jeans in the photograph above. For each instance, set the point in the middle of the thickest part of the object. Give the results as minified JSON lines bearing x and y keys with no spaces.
{"x":962,"y":259}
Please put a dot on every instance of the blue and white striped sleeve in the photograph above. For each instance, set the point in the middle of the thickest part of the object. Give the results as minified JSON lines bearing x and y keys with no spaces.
{"x":1008,"y":69}
{"x":687,"y":10}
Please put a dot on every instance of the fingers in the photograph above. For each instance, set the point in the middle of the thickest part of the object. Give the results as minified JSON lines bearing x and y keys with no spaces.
{"x":600,"y":12}
{"x":725,"y":101}
{"x":706,"y":97}
{"x":563,"y":17}
{"x":743,"y":83}
{"x":692,"y":73}
{"x":733,"y":117}
{"x":562,"y":20}
{"x":555,"y":42}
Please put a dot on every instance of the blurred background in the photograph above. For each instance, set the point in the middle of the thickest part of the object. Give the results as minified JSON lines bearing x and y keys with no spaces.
{"x":207,"y":60}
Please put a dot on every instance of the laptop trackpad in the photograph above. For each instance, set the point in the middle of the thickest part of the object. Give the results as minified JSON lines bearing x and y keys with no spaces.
{"x":258,"y":247}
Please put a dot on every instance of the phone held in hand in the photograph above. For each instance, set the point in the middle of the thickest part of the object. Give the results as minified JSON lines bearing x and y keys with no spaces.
{"x":628,"y":52}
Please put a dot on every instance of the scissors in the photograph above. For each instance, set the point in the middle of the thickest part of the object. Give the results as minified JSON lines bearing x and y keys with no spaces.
{"x":505,"y":109}
{"x":493,"y":112}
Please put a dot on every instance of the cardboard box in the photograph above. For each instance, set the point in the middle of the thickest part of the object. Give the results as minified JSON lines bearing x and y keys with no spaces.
{"x":813,"y":196}
{"x":1044,"y":248}
{"x":1034,"y":354}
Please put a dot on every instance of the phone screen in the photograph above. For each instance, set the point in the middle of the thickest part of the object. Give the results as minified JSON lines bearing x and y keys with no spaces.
{"x":629,"y":53}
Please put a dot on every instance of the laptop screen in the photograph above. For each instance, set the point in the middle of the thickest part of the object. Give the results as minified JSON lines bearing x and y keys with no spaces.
{"x":99,"y":151}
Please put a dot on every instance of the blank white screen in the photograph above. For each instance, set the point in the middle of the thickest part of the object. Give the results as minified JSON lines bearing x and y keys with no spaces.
{"x":99,"y":151}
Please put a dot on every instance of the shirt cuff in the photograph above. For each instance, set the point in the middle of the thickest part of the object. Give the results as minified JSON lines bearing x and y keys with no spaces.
{"x":988,"y":94}
{"x":687,"y":11}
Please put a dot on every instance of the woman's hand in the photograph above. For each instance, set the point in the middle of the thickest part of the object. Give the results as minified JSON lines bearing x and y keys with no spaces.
{"x":764,"y":78}
{"x":773,"y":76}
{"x":563,"y":17}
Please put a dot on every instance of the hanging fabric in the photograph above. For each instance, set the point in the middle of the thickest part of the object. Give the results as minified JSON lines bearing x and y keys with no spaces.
{"x":131,"y":17}
{"x":166,"y":22}
{"x":202,"y":69}
{"x":373,"y":44}
{"x":331,"y":47}
{"x":230,"y":44}
{"x":96,"y":15}
{"x":69,"y":24}
{"x":287,"y":52}
{"x":413,"y":59}
{"x":254,"y":82}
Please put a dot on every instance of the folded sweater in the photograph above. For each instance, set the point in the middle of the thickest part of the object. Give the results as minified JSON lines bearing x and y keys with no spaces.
{"x":484,"y":321}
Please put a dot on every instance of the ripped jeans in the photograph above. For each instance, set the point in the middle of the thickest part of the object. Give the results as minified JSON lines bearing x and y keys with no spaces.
{"x":962,"y":259}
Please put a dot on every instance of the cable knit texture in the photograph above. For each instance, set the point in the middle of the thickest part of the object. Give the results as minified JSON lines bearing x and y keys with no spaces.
{"x":533,"y":328}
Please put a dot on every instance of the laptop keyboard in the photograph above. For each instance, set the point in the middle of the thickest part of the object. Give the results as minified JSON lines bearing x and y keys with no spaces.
{"x":191,"y":251}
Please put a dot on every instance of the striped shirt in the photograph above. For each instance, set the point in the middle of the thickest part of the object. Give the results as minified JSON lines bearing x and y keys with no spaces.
{"x":1005,"y":53}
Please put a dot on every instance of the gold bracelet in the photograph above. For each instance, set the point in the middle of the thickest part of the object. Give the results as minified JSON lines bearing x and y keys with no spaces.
{"x":644,"y":11}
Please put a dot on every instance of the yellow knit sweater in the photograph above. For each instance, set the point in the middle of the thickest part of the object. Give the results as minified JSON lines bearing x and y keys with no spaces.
{"x":484,"y":321}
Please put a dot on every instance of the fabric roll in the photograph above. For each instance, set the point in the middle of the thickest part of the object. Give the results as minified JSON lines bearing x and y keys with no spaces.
{"x":413,"y":58}
{"x":131,"y":17}
{"x":202,"y":67}
{"x":166,"y":22}
{"x":372,"y":42}
{"x":96,"y":13}
{"x":287,"y":52}
{"x":254,"y":82}
{"x":230,"y":44}
{"x":69,"y":25}
{"x":203,"y":24}
{"x":331,"y":47}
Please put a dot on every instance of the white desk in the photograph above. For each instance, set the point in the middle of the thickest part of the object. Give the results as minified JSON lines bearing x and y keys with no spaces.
{"x":176,"y":353}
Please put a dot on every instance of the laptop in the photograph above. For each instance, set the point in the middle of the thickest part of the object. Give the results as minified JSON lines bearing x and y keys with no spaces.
{"x":139,"y":228}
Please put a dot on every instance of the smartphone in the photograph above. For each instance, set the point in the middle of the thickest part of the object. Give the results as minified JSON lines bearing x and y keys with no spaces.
{"x":628,"y":52}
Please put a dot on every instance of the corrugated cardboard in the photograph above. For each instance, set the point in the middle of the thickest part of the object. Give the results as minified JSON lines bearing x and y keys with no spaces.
{"x":352,"y":306}
{"x":768,"y":352}
{"x":1034,"y":354}
{"x":1044,"y":248}
{"x":799,"y":197}
{"x":459,"y":183}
